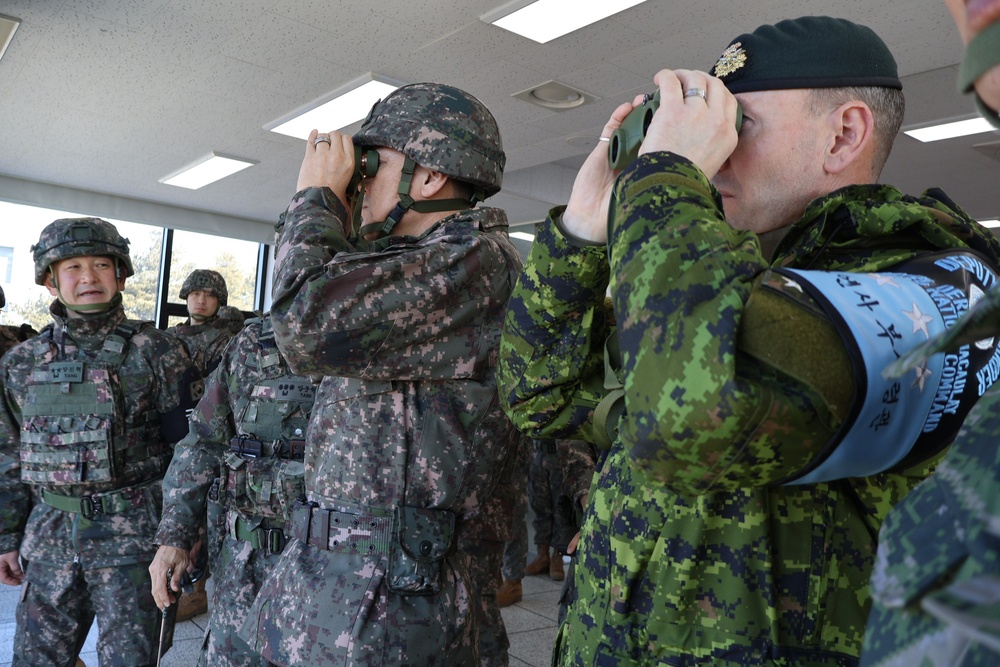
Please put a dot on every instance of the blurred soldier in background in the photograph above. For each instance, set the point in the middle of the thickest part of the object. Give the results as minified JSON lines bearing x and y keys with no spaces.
{"x":252,"y":420}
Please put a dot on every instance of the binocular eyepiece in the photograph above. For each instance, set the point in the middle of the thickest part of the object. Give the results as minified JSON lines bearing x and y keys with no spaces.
{"x":625,"y":141}
{"x":365,"y":166}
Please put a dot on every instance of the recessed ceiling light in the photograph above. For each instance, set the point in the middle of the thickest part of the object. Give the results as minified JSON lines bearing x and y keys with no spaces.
{"x":554,"y":95}
{"x":990,"y":223}
{"x":335,"y":111}
{"x":8,"y":26}
{"x":524,"y":236}
{"x":545,"y":20}
{"x":950,"y":130}
{"x":207,"y":170}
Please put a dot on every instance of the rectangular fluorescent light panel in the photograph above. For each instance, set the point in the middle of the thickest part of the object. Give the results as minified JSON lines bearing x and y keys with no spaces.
{"x":959,"y":128}
{"x":544,"y":20}
{"x":207,"y":170}
{"x":338,"y":113}
{"x":524,"y":236}
{"x":8,"y":26}
{"x":992,"y":224}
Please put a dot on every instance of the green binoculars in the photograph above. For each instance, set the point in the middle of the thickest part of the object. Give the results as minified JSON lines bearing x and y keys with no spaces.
{"x":365,"y":166}
{"x":624,"y":143}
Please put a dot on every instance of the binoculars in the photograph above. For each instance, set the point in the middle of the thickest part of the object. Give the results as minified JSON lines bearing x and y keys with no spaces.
{"x":365,"y":166}
{"x":624,"y":144}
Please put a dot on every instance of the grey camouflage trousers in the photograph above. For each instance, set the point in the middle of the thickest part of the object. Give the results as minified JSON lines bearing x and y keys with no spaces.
{"x":58,"y":605}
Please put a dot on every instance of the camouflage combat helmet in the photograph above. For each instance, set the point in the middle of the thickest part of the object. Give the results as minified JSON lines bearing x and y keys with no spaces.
{"x":442,"y":128}
{"x":76,"y":237}
{"x":206,"y":280}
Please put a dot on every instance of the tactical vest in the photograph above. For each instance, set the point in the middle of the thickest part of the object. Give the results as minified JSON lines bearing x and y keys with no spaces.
{"x":75,"y":429}
{"x":263,"y":473}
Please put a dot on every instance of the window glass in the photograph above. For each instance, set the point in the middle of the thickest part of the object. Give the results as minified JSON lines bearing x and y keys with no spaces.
{"x":28,"y":302}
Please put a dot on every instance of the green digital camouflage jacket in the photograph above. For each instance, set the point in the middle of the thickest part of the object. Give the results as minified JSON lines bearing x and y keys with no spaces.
{"x":156,"y":379}
{"x":206,"y":342}
{"x":688,"y":554}
{"x":406,"y":336}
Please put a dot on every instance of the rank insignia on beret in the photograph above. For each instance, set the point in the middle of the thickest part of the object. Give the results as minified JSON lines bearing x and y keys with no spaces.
{"x":731,"y":60}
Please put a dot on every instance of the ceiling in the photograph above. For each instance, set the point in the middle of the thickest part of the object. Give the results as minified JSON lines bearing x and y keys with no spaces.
{"x":99,"y":99}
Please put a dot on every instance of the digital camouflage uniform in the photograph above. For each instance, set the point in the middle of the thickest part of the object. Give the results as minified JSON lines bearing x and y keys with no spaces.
{"x":407,"y":439}
{"x":578,"y":460}
{"x":207,"y":341}
{"x":936,"y":582}
{"x":545,"y":483}
{"x":11,"y":335}
{"x":92,"y":407}
{"x":252,"y":421}
{"x":689,"y":555}
{"x":515,"y":552}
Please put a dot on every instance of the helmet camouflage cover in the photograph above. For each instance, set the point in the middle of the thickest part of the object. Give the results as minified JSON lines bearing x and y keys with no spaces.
{"x":442,"y":128}
{"x":206,"y":280}
{"x":78,"y":237}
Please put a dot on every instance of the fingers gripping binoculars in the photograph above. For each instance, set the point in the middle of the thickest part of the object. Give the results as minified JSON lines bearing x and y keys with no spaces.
{"x":624,"y":144}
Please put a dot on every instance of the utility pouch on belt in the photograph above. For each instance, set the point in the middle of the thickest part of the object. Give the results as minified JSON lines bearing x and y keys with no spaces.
{"x":262,"y":486}
{"x":423,"y":538}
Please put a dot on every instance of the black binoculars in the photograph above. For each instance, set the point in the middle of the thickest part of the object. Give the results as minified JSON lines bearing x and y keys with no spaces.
{"x":624,"y":144}
{"x":365,"y":166}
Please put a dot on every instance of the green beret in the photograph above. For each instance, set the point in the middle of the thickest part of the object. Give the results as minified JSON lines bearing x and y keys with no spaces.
{"x":807,"y":52}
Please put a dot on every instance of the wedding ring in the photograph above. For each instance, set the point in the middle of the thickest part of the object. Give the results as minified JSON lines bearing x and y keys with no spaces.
{"x":604,"y":138}
{"x":321,"y":138}
{"x":691,"y":92}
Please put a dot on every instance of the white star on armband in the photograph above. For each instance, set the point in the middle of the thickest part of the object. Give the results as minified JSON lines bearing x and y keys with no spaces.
{"x":791,"y":284}
{"x":923,"y":373}
{"x":881,"y":280}
{"x":919,"y":320}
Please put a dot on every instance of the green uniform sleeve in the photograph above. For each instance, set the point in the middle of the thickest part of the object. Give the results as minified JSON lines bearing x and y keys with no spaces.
{"x":551,"y":372}
{"x":698,"y":415}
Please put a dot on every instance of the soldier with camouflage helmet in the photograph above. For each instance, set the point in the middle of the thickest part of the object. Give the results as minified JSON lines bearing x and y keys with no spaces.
{"x":253,"y":419}
{"x":734,"y":518}
{"x":402,"y":318}
{"x":204,"y":332}
{"x":91,"y":409}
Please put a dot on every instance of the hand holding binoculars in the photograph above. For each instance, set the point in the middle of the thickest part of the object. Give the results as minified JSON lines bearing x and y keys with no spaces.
{"x":624,"y":144}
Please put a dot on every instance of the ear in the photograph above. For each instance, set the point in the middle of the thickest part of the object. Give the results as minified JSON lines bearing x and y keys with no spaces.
{"x":852,"y":135}
{"x":49,"y":285}
{"x":431,"y":182}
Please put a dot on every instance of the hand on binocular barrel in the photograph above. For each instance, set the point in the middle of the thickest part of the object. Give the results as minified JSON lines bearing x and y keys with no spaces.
{"x":586,"y":214}
{"x":327,"y":163}
{"x":696,"y":119}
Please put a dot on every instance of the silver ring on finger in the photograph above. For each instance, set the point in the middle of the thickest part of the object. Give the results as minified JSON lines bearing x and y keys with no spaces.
{"x":696,"y":92}
{"x":321,"y":138}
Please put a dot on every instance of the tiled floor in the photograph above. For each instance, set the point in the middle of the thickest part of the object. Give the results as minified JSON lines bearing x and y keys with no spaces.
{"x":531,"y":628}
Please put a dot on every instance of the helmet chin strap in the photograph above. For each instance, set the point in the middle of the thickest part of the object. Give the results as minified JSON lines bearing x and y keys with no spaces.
{"x":406,"y":203}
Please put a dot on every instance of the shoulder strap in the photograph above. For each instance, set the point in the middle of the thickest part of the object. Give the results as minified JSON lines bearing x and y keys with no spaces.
{"x":612,"y":406}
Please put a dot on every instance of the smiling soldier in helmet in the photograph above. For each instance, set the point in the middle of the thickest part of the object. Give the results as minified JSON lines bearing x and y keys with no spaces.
{"x":406,"y":439}
{"x":92,"y":407}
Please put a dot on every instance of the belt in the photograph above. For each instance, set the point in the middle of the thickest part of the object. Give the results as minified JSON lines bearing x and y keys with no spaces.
{"x":272,"y":540}
{"x":109,"y":502}
{"x":343,"y":532}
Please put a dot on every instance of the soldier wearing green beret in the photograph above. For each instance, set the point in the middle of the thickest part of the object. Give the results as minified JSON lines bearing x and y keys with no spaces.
{"x":734,"y":519}
{"x":407,"y":441}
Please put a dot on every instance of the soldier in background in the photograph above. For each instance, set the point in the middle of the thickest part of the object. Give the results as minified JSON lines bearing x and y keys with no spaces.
{"x":206,"y":336}
{"x":544,"y":488}
{"x":251,"y":420}
{"x":204,"y":332}
{"x":11,"y":335}
{"x":91,"y":409}
{"x":407,"y":441}
{"x":515,"y":549}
